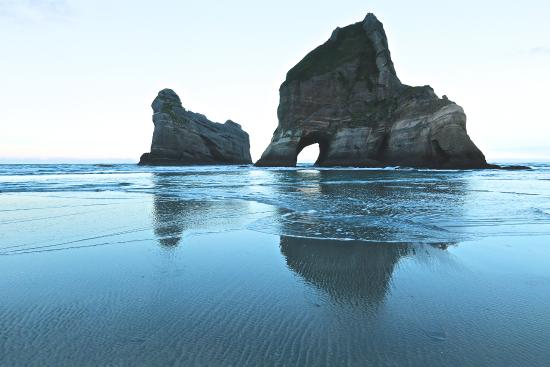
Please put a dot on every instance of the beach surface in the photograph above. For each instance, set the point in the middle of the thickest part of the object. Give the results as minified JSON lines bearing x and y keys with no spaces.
{"x":120,"y":265}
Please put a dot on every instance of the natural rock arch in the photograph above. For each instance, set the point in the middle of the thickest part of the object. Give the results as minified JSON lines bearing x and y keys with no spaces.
{"x":346,"y":96}
{"x":314,"y":138}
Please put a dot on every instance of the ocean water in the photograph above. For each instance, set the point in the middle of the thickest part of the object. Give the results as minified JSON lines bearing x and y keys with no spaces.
{"x":120,"y":265}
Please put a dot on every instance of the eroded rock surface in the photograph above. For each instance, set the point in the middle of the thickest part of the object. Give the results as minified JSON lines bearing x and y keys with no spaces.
{"x":345,"y":95}
{"x":183,"y":137}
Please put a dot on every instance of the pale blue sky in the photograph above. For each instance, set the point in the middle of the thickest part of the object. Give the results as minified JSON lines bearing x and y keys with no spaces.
{"x":77,"y":77}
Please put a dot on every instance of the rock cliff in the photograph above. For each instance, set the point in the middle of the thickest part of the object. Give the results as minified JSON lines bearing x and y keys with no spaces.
{"x":345,"y":95}
{"x":183,"y":137}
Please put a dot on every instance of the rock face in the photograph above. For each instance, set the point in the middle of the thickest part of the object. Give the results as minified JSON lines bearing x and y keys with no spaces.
{"x":183,"y":137}
{"x":345,"y":95}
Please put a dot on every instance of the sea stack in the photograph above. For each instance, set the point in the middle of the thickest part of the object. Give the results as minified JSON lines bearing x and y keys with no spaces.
{"x":345,"y":95}
{"x":183,"y":137}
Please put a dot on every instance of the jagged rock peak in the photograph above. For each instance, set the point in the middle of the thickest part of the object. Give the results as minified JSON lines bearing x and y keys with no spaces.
{"x":371,"y":21}
{"x":166,"y":99}
{"x":183,"y":137}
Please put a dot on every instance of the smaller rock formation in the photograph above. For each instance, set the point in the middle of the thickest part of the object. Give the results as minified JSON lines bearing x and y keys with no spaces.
{"x":183,"y":137}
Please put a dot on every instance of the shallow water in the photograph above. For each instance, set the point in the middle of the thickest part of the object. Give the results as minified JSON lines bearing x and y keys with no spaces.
{"x":138,"y":266}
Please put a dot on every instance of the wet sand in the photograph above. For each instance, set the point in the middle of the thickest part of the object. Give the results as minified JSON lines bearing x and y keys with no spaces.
{"x":254,"y":267}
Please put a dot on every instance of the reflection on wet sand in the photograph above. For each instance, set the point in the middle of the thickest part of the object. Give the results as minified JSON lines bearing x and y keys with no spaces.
{"x":355,"y":272}
{"x":173,"y":214}
{"x":351,"y":271}
{"x":171,"y":218}
{"x":348,"y":271}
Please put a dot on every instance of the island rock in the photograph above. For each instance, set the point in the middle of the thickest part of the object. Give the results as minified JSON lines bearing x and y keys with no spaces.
{"x":345,"y":95}
{"x":183,"y":137}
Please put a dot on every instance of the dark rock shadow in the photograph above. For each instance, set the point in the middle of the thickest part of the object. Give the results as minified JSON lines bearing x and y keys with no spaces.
{"x":178,"y":208}
{"x":348,"y":271}
{"x":172,"y":214}
{"x":170,"y":219}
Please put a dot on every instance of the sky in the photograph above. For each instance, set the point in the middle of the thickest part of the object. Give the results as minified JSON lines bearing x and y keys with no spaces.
{"x":77,"y":77}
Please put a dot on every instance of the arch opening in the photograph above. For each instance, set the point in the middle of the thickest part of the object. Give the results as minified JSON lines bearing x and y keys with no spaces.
{"x":308,"y":155}
{"x":312,"y":149}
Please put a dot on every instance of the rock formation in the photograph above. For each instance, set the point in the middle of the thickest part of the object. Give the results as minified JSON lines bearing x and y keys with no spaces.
{"x":345,"y":95}
{"x":183,"y":137}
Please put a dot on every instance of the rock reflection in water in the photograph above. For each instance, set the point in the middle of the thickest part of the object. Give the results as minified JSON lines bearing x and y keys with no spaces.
{"x":172,"y":215}
{"x":175,"y":212}
{"x":348,"y":271}
{"x":172,"y":218}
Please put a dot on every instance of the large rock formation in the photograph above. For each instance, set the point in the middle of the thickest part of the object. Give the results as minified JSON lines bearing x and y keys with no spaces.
{"x":183,"y":137}
{"x":345,"y":95}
